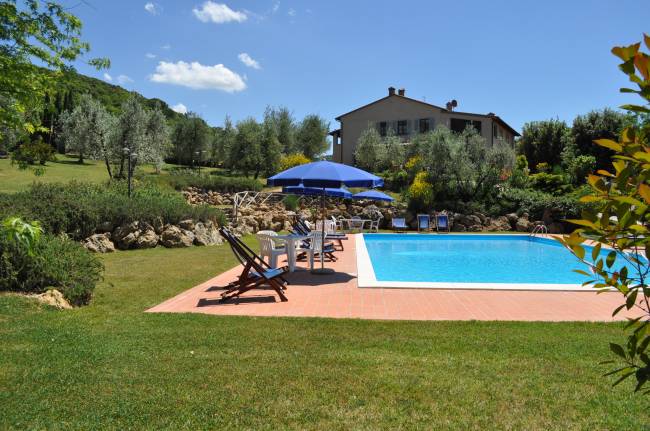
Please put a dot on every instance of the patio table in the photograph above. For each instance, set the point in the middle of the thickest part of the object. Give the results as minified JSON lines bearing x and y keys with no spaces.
{"x":291,"y":241}
{"x":355,"y":223}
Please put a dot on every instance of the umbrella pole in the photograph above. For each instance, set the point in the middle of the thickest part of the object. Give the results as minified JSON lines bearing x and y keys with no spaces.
{"x":322,"y":270}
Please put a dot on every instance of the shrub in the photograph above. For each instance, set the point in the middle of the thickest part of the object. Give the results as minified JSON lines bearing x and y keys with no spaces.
{"x":580,"y":167}
{"x":420,"y":193}
{"x":534,"y":202}
{"x":291,"y":160}
{"x":214,"y":183}
{"x":291,"y":202}
{"x":395,"y":181}
{"x":549,"y":183}
{"x":77,"y":209}
{"x":30,"y":153}
{"x":54,"y":262}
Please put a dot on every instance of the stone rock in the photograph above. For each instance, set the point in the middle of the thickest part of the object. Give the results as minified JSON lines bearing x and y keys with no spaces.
{"x":174,"y":236}
{"x":99,"y":243}
{"x":206,"y":234}
{"x":147,"y":239}
{"x":186,"y":224}
{"x":512,"y":218}
{"x":500,"y":223}
{"x":125,"y":236}
{"x":523,"y":224}
{"x":54,"y":298}
{"x":158,"y":225}
{"x":556,"y":227}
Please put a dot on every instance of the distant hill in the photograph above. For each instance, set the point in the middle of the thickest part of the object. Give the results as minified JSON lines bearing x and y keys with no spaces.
{"x":111,"y":96}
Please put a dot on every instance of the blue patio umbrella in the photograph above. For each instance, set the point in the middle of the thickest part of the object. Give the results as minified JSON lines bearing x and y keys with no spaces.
{"x":314,"y":191}
{"x":374,"y":195}
{"x":324,"y":175}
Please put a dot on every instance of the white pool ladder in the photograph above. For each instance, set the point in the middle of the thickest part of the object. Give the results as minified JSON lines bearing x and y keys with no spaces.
{"x":539,"y":229}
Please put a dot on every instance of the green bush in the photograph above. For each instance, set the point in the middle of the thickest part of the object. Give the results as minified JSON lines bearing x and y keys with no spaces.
{"x":30,"y":153}
{"x":77,"y":209}
{"x":54,"y":262}
{"x":214,"y":183}
{"x":534,"y":202}
{"x":549,"y":183}
{"x":291,"y":202}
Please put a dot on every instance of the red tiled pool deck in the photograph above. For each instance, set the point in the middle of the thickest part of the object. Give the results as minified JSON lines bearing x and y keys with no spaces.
{"x":337,"y":296}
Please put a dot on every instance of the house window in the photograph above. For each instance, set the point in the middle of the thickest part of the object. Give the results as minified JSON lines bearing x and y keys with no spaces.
{"x":383,"y":126}
{"x":495,"y":131}
{"x":459,"y":125}
{"x":401,"y":127}
{"x":424,"y":125}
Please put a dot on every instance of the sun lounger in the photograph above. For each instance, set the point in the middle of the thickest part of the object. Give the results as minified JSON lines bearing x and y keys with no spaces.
{"x":424,"y":222}
{"x":398,"y":223}
{"x":442,"y":222}
{"x":256,"y":273}
{"x":328,"y":248}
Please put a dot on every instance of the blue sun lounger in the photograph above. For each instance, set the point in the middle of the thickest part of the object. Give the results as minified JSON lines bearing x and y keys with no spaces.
{"x":442,"y":222}
{"x":424,"y":222}
{"x":398,"y":223}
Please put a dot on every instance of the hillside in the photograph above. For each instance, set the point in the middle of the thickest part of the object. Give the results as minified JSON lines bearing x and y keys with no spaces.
{"x":74,"y":84}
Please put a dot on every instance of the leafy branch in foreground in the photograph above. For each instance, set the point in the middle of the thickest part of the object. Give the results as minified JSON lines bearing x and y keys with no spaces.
{"x":619,"y":225}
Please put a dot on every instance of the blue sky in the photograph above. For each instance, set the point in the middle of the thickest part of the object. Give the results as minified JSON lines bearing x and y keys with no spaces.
{"x":524,"y":60}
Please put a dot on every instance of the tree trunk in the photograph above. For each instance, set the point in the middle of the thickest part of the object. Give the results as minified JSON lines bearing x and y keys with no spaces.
{"x":108,"y":167}
{"x":81,"y":158}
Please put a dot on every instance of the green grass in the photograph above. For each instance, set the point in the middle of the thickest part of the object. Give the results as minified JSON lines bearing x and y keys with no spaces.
{"x":110,"y":365}
{"x":66,"y":169}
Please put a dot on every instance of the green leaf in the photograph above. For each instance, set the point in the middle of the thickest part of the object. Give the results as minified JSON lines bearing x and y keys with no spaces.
{"x":611,"y":258}
{"x":608,"y":143}
{"x":618,"y":350}
{"x":596,"y":251}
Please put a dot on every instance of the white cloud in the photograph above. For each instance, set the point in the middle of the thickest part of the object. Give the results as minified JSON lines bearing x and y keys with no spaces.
{"x":107,"y":77}
{"x":249,"y":61}
{"x":123,"y":79}
{"x":150,"y":55}
{"x":197,"y":76}
{"x":218,"y":13}
{"x":152,"y":8}
{"x":166,"y":47}
{"x":180,"y":108}
{"x":291,"y":12}
{"x":276,"y":7}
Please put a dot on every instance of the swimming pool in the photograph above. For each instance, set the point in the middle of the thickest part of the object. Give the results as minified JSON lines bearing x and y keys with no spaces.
{"x":465,"y":261}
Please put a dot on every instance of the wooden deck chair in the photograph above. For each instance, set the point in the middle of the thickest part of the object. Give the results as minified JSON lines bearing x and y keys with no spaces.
{"x":442,"y":222}
{"x":398,"y":223}
{"x":256,"y":273}
{"x":424,"y":222}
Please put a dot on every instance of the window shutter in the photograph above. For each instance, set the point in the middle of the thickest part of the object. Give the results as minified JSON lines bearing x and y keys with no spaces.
{"x":432,"y":123}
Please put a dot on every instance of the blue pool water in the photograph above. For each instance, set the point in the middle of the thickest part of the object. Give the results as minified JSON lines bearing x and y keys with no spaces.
{"x":472,"y":259}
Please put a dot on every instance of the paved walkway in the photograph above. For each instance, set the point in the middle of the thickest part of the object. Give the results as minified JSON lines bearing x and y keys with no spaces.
{"x":338,"y":296}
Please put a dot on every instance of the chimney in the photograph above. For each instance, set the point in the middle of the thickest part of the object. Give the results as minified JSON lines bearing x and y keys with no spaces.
{"x":391,"y":91}
{"x":452,"y":104}
{"x":401,"y":91}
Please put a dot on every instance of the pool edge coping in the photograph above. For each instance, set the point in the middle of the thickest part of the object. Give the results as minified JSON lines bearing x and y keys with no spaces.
{"x":366,"y":277}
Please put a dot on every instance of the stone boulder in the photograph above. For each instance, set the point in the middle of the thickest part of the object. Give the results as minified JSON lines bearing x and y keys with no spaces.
{"x":147,"y":238}
{"x":53,"y":298}
{"x":523,"y":224}
{"x":126,"y":235}
{"x":206,"y":234}
{"x":186,"y":224}
{"x":99,"y":243}
{"x":500,"y":223}
{"x":174,"y":236}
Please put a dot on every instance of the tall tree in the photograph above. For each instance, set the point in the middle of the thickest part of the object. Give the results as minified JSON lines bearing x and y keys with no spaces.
{"x":158,"y":135}
{"x":605,"y":124}
{"x":311,"y":137}
{"x":271,"y":148}
{"x":245,"y":153}
{"x":34,"y":31}
{"x":190,"y":139}
{"x":286,"y":128}
{"x":87,"y":130}
{"x":544,"y":141}
{"x":368,"y":153}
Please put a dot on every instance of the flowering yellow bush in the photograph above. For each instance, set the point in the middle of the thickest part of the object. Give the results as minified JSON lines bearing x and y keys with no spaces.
{"x":291,"y":160}
{"x":413,"y":162}
{"x":420,"y":192}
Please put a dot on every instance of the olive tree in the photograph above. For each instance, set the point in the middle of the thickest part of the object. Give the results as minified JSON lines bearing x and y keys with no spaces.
{"x":87,"y":130}
{"x":368,"y":151}
{"x":311,"y":136}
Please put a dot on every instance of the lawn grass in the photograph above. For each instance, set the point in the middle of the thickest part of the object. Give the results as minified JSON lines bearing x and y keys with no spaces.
{"x":110,"y":365}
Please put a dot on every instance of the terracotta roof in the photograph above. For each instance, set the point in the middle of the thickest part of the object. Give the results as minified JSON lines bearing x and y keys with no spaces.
{"x":490,"y":115}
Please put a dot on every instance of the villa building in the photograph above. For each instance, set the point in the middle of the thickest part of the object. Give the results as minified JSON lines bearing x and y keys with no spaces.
{"x":406,"y":117}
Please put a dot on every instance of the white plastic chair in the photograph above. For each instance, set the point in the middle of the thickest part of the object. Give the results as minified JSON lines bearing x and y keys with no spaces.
{"x":315,"y":246}
{"x":374,"y":224}
{"x":269,"y":248}
{"x":330,"y":227}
